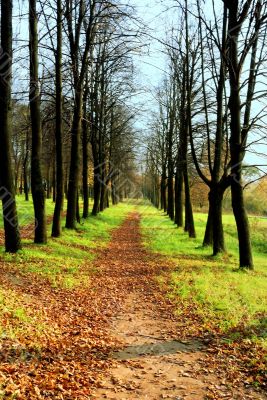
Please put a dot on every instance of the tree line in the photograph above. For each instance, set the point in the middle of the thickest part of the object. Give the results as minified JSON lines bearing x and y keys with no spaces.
{"x":74,"y":136}
{"x":211,"y":114}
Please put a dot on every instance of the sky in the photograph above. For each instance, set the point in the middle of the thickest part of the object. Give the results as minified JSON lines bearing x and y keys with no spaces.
{"x":150,"y":64}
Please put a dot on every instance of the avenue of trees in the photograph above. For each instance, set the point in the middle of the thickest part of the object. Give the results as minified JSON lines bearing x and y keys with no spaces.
{"x":67,"y":120}
{"x":211,"y":114}
{"x":66,"y":129}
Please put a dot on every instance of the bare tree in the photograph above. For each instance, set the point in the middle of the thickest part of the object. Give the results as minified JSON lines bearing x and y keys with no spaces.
{"x":37,"y":186}
{"x":252,"y":16}
{"x":76,"y":19}
{"x":56,"y":228}
{"x":7,"y":192}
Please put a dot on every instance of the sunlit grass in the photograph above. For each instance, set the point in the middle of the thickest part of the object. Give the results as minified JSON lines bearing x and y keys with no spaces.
{"x":67,"y":261}
{"x":225,"y":297}
{"x":25,"y":210}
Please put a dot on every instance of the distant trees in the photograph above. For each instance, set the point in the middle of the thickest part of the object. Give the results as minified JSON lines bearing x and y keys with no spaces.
{"x":172,"y":129}
{"x":78,"y":130}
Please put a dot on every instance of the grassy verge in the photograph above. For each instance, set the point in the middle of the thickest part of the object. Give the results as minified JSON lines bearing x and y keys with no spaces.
{"x":225,"y":299}
{"x":64,"y":263}
{"x":65,"y":260}
{"x":25,"y":211}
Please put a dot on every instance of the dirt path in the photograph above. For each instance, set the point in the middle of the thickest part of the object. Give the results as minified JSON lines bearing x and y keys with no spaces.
{"x":115,"y":338}
{"x":153,"y":363}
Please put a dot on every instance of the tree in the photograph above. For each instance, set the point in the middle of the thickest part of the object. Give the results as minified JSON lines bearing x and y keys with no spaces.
{"x":254,"y":15}
{"x":37,"y":186}
{"x":56,"y":227}
{"x":79,"y":60}
{"x":7,"y":192}
{"x":182,"y":69}
{"x":216,"y":175}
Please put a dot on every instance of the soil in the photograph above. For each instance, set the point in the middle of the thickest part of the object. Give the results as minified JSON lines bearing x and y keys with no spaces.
{"x":154,"y":362}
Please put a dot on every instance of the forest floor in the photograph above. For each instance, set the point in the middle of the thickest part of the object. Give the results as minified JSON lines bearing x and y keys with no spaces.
{"x":156,"y":361}
{"x":117,"y":338}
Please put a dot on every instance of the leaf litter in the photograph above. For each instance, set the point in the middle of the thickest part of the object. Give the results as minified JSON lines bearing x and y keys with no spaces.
{"x":118,"y":338}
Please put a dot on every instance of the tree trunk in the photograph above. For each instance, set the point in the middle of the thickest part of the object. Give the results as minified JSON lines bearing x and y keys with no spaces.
{"x":103,"y":188}
{"x":66,"y":180}
{"x":216,"y":198}
{"x":85,"y":161}
{"x":243,"y":230}
{"x":74,"y":162}
{"x":7,"y":194}
{"x":189,"y":219}
{"x":190,"y":226}
{"x":237,"y":142}
{"x":54,"y":182}
{"x":170,"y":208}
{"x":239,"y":210}
{"x":25,"y":172}
{"x":208,"y":237}
{"x":179,"y":220}
{"x":114,"y":195}
{"x":38,"y":192}
{"x":107,"y":199}
{"x":78,"y":218}
{"x":163,"y":193}
{"x":21,"y":181}
{"x":56,"y":227}
{"x":48,"y":182}
{"x":97,"y":188}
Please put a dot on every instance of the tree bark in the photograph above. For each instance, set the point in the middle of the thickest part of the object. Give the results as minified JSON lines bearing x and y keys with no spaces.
{"x":237,"y":144}
{"x":163,"y":202}
{"x":179,"y":218}
{"x":189,"y":219}
{"x":25,"y":169}
{"x":170,"y":207}
{"x":97,"y":187}
{"x":38,"y":192}
{"x":75,"y":162}
{"x":56,"y":227}
{"x":208,"y":237}
{"x":103,"y":188}
{"x":245,"y":251}
{"x":78,"y":218}
{"x":7,"y":193}
{"x":80,"y":66}
{"x":85,"y":158}
{"x":216,"y":199}
{"x":190,"y":226}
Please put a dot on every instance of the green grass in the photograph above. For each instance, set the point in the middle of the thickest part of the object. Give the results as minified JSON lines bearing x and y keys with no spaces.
{"x":64,"y":263}
{"x":225,"y":297}
{"x":67,"y":261}
{"x":16,"y":314}
{"x":25,"y":210}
